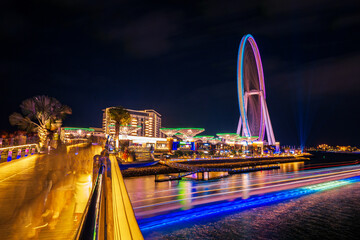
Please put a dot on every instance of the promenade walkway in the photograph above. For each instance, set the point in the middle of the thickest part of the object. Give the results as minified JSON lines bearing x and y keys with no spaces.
{"x":39,"y":194}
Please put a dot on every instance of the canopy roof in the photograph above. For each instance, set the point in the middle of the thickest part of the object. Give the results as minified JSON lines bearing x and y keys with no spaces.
{"x":228,"y":136}
{"x":215,"y":140}
{"x":250,"y":138}
{"x":204,"y":138}
{"x":225,"y":134}
{"x":190,"y":132}
{"x":169,"y":131}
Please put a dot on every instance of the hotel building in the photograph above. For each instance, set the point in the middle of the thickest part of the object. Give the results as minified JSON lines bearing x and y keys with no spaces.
{"x":149,"y":121}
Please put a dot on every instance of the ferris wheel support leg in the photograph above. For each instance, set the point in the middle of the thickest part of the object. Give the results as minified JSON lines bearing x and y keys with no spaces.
{"x":246,"y":130}
{"x":269,"y":129}
{"x":265,"y":120}
{"x":239,"y":126}
{"x":262,"y":120}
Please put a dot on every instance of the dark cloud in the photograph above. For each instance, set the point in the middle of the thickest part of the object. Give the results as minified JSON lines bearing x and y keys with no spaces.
{"x":326,"y":78}
{"x":180,"y":58}
{"x":149,"y":35}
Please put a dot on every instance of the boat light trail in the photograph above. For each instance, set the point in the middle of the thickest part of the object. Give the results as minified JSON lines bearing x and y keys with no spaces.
{"x":241,"y":204}
{"x":278,"y":183}
{"x":291,"y":174}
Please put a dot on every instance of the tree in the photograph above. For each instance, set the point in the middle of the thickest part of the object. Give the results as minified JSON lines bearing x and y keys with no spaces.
{"x":41,"y":114}
{"x":121,"y":117}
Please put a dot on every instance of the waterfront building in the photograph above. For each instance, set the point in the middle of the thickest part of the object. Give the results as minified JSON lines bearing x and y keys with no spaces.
{"x":148,"y":120}
{"x":68,"y":134}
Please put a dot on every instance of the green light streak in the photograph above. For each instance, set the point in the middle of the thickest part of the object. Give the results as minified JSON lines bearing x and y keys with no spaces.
{"x":75,"y":129}
{"x":327,"y":185}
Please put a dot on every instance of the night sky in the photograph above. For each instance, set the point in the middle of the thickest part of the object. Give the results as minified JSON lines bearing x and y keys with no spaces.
{"x":179,"y":58}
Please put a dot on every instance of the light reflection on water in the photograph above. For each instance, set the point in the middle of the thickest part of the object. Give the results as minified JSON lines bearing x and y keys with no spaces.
{"x":326,"y":215}
{"x":285,"y":220}
{"x":146,"y":189}
{"x":185,"y":194}
{"x":245,"y":178}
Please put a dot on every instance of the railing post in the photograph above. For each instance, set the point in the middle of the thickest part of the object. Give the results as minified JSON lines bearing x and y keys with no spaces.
{"x":18,"y":154}
{"x":9,"y":155}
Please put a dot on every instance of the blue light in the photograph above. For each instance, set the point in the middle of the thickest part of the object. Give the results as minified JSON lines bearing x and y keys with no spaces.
{"x":175,"y":146}
{"x":240,"y":204}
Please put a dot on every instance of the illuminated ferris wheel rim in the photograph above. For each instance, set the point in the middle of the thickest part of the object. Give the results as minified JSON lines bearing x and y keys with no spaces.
{"x":240,"y":79}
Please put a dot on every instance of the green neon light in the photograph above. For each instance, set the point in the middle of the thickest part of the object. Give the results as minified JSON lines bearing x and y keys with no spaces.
{"x":251,"y":137}
{"x":224,"y":134}
{"x":75,"y":129}
{"x":216,"y":139}
{"x":191,"y":129}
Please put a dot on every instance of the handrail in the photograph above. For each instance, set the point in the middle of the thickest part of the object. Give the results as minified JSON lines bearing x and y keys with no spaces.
{"x":125,"y":223}
{"x":89,"y":226}
{"x":21,"y":146}
{"x":109,"y":197}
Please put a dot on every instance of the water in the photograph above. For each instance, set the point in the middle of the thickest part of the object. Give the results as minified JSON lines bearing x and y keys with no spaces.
{"x":330,"y":214}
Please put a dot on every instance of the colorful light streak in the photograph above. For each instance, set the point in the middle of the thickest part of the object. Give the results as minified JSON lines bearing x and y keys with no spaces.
{"x":308,"y":178}
{"x":241,"y":204}
{"x":330,"y":165}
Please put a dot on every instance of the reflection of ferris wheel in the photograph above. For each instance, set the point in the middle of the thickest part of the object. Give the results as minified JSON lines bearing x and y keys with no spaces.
{"x":254,"y":115}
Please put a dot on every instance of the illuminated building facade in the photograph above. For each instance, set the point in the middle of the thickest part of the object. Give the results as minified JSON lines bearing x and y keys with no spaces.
{"x":74,"y":133}
{"x":148,"y":120}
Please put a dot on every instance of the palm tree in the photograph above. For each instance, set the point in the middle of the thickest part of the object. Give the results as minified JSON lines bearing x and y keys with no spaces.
{"x":121,"y":117}
{"x":41,"y":114}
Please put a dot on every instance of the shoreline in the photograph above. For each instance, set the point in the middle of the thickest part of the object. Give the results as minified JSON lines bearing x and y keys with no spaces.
{"x":209,"y":163}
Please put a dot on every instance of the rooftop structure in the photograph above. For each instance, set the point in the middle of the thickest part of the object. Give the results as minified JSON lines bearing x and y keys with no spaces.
{"x":228,"y":136}
{"x":169,"y":131}
{"x":204,"y":138}
{"x":190,"y":132}
{"x":215,"y":140}
{"x":185,"y":134}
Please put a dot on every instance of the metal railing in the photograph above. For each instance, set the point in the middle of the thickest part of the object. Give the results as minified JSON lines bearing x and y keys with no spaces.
{"x":90,"y":222}
{"x":109,"y":213}
{"x":7,"y":154}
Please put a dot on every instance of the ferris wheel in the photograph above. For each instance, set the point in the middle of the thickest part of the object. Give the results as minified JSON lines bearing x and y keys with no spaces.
{"x":254,"y":115}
